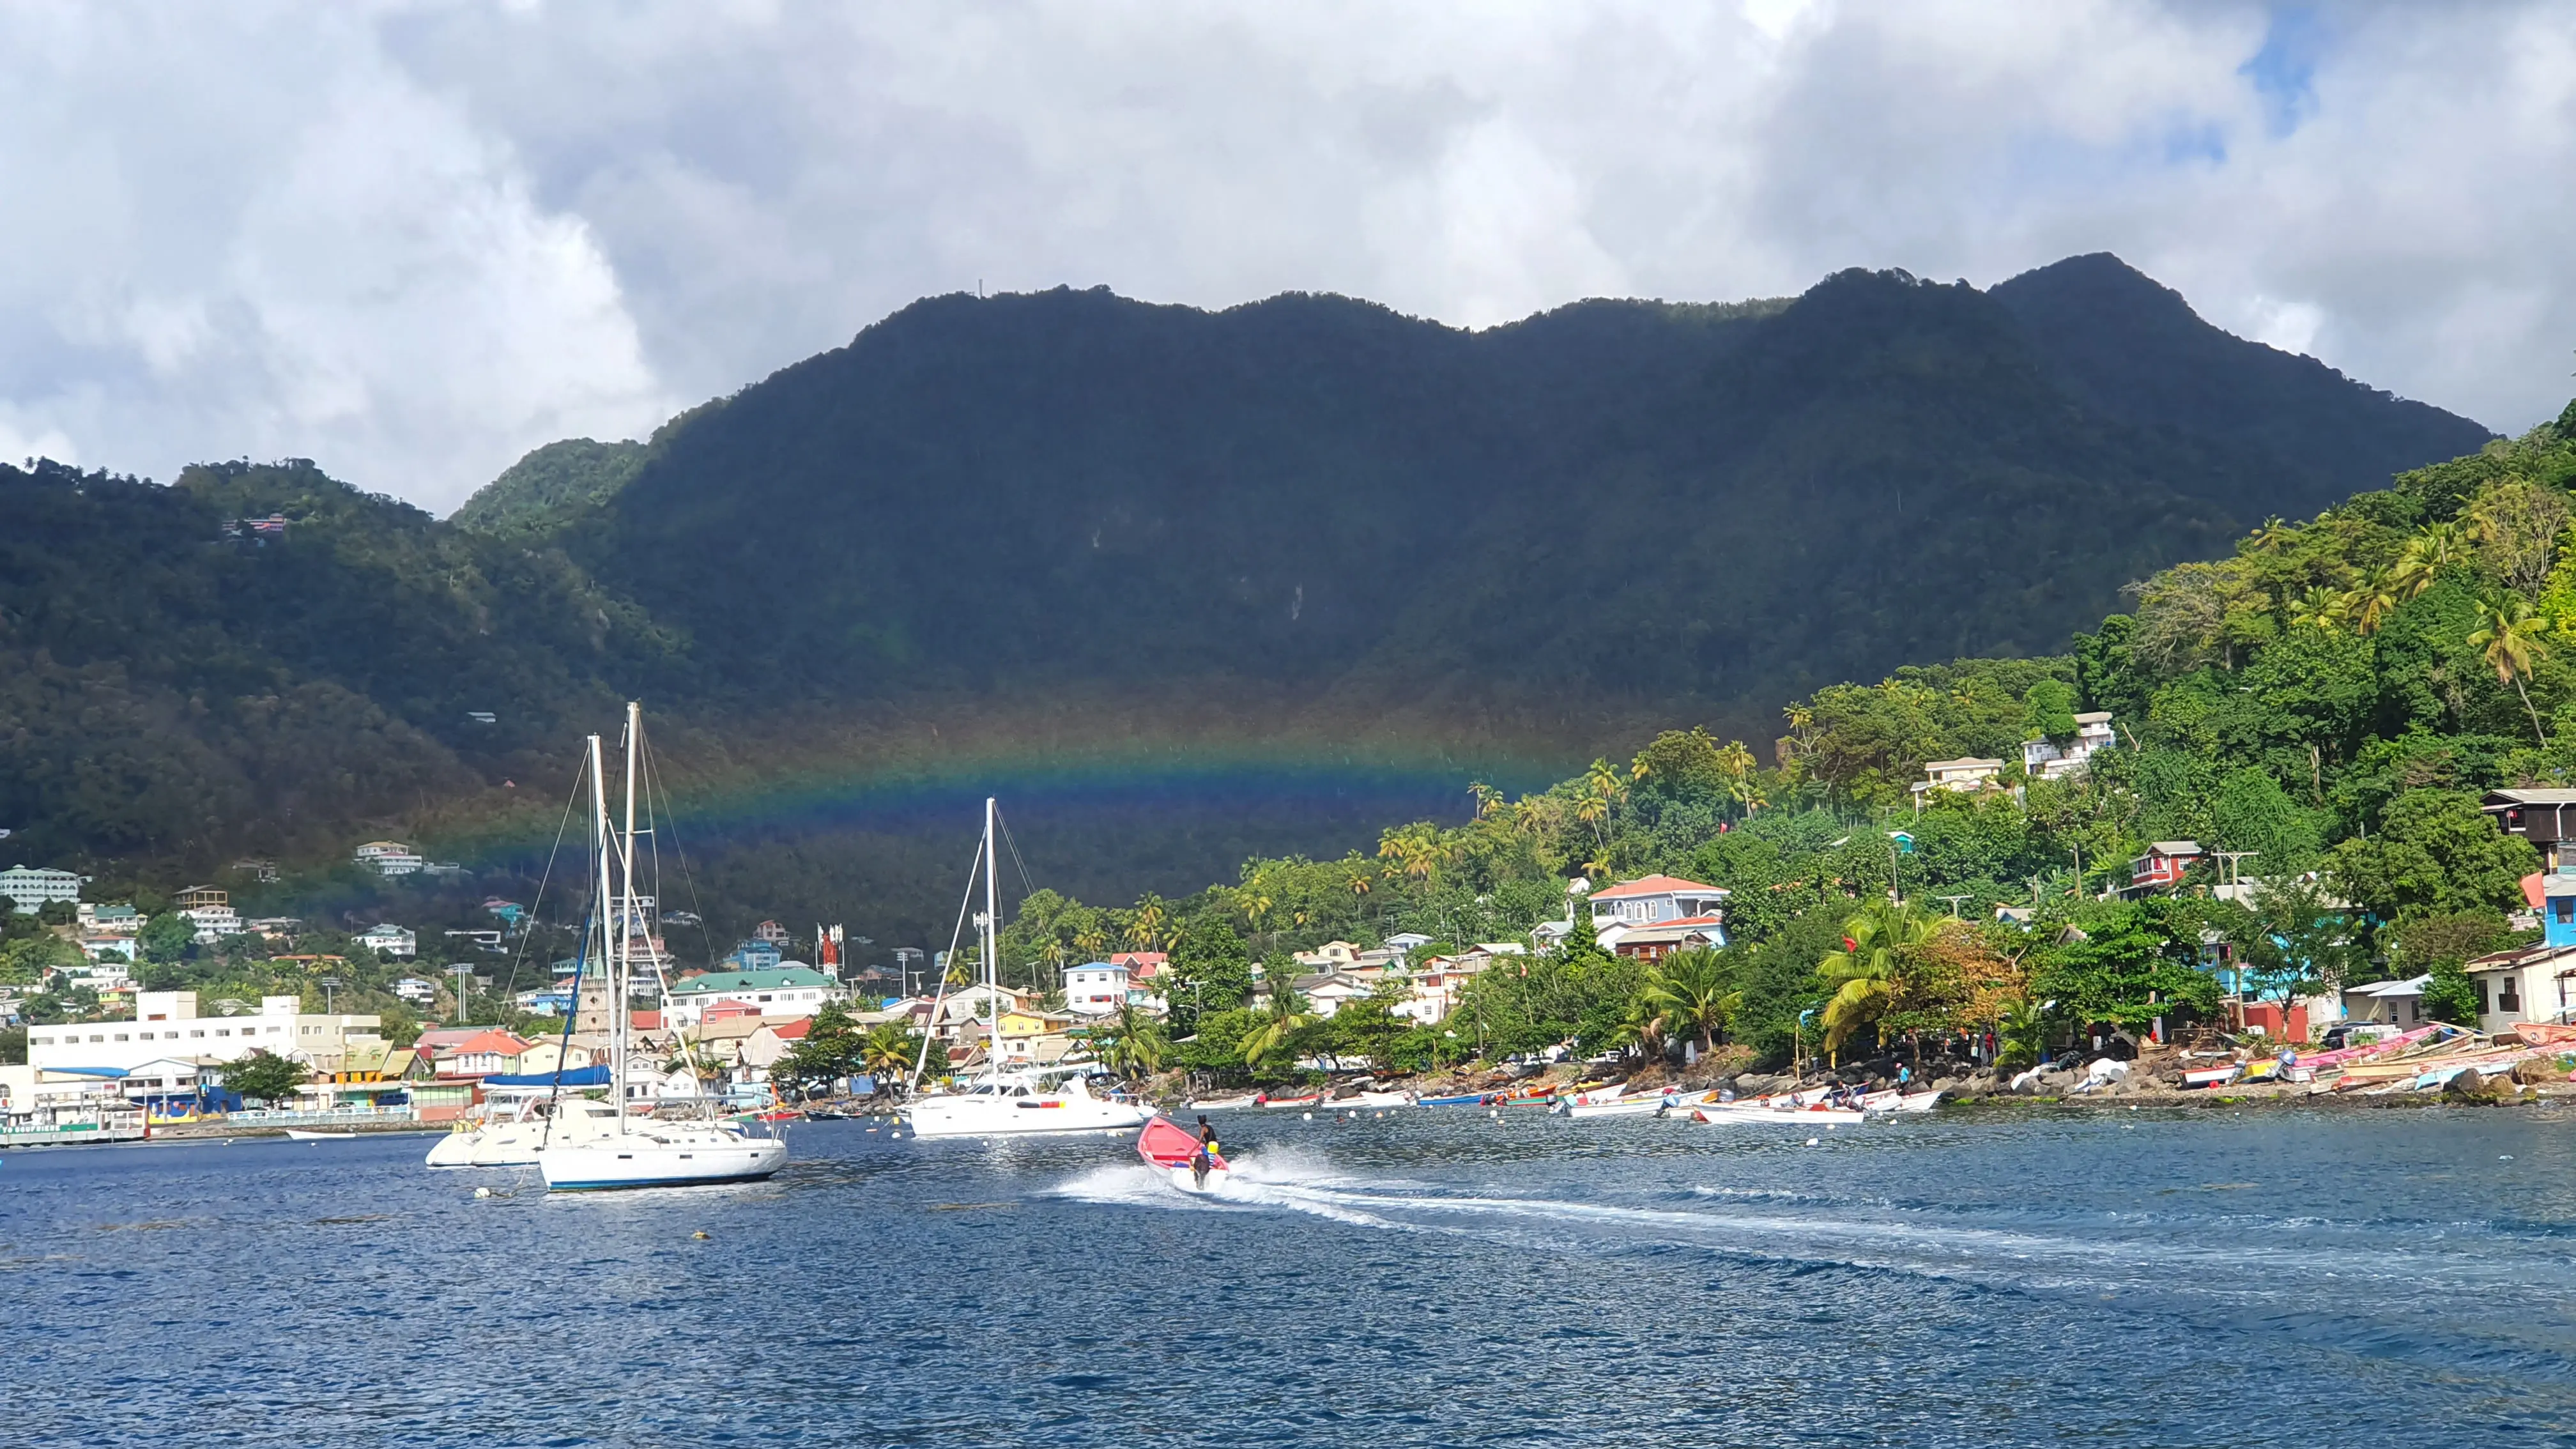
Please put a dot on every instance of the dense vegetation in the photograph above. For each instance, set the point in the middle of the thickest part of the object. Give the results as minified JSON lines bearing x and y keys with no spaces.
{"x":1071,"y":520}
{"x":2324,"y":705}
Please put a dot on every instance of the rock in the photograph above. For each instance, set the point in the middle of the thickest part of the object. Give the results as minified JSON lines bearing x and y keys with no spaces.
{"x":2532,"y":1071}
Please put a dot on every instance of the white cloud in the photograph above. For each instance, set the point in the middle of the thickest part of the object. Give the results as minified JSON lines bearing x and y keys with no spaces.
{"x":412,"y":241}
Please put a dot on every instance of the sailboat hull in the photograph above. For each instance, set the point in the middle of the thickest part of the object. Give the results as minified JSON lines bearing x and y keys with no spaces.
{"x":686,"y":1158}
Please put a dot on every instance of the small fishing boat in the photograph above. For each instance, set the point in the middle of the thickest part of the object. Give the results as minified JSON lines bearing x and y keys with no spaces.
{"x":1748,"y":1112}
{"x":306,"y":1134}
{"x":1376,"y":1099}
{"x":1223,"y":1104}
{"x":1173,"y":1149}
{"x":1644,"y":1104}
{"x":1309,"y":1100}
{"x":1462,"y":1099}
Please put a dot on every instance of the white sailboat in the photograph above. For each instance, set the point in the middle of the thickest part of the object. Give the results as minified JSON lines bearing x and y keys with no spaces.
{"x":649,"y":1153}
{"x":513,"y":1131}
{"x":1006,"y":1103}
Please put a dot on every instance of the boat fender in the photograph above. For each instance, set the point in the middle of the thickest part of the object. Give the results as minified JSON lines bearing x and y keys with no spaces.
{"x":482,"y":1192}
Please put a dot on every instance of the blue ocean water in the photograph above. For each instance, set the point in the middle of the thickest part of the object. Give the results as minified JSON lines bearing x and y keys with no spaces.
{"x":1434,"y":1277}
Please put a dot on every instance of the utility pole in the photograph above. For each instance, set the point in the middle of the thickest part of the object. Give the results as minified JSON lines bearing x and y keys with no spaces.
{"x":1954,"y":903}
{"x":328,"y":984}
{"x":465,"y":1015}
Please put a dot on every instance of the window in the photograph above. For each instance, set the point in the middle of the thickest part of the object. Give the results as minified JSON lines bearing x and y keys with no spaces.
{"x":120,"y":1036}
{"x":2563,"y":910}
{"x":2510,"y":1000}
{"x":198,"y":1033}
{"x":2483,"y":1008}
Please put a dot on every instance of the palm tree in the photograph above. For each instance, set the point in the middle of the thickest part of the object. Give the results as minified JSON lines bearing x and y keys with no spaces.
{"x":2318,"y":608}
{"x":2425,"y":556}
{"x":2272,"y":535}
{"x":1288,"y":1016}
{"x":1145,"y":925}
{"x":2375,"y":595}
{"x":1868,"y":974}
{"x":2508,"y":636}
{"x":1136,"y":1045}
{"x":1488,"y":799}
{"x":1091,"y":940}
{"x":1690,"y":989}
{"x":888,"y":1052}
{"x":2022,"y":1035}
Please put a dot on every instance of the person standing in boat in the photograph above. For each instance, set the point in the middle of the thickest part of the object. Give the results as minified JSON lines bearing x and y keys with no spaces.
{"x":1205,"y":1157}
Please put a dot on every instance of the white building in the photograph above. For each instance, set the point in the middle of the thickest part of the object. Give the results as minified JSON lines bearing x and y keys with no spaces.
{"x":2052,"y":760}
{"x":388,"y":939}
{"x":1408,"y":940}
{"x":389,"y":858}
{"x":1095,"y":988}
{"x":166,"y":1024}
{"x":31,"y":888}
{"x":1963,"y":776}
{"x":213,"y":923}
{"x":418,"y":990}
{"x":2529,"y":983}
{"x":1654,"y":899}
{"x":792,"y":992}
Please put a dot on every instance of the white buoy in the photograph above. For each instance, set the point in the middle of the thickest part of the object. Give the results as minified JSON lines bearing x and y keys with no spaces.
{"x":1307,"y":1116}
{"x":1811,"y":1142}
{"x":482,"y":1192}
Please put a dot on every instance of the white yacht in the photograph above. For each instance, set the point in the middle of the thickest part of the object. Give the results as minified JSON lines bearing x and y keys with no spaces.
{"x":624,"y":1152}
{"x":1014,"y":1103}
{"x":1003,"y":1101}
{"x":511,"y":1133}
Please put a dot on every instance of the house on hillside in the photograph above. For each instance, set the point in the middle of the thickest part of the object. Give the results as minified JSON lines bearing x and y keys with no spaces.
{"x":389,"y":858}
{"x":489,"y":1052}
{"x":388,"y":939}
{"x":1967,"y":775}
{"x":2163,"y":866}
{"x":1653,"y":899}
{"x":1655,"y":942}
{"x":2048,"y":759}
{"x":1095,"y":988}
{"x":30,"y":889}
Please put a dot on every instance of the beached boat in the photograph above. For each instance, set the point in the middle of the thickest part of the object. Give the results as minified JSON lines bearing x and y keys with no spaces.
{"x":1461,"y":1099}
{"x":1173,"y":1149}
{"x":1222,"y":1104}
{"x":1644,"y":1104}
{"x":1309,"y":1100}
{"x":1376,"y":1099}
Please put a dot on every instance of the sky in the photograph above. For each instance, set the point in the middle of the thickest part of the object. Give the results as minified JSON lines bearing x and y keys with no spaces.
{"x":412,"y":241}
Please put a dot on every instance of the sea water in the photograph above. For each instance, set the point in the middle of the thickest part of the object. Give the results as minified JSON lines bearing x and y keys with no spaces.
{"x":1434,"y":1276}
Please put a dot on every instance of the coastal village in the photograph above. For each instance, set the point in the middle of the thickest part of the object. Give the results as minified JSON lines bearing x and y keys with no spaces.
{"x":166,"y":1060}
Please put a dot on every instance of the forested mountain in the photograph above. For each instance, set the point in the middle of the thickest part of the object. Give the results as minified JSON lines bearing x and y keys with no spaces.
{"x":1648,"y":509}
{"x":1051,"y":526}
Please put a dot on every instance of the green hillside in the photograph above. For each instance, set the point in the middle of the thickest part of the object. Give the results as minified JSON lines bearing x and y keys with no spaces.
{"x":1173,"y":561}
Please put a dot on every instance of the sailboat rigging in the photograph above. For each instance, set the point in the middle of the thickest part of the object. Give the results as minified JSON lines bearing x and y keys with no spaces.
{"x":1008,"y":1102}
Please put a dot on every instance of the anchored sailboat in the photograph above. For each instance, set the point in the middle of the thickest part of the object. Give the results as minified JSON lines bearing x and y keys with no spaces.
{"x":999,"y":1102}
{"x":630,"y":1153}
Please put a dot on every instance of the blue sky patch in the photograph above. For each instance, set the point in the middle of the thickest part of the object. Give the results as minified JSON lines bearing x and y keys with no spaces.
{"x":2284,"y":71}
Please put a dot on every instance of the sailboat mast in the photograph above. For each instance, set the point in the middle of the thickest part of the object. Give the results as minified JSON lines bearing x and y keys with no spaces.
{"x":992,"y":939}
{"x":626,"y":903}
{"x":606,"y":902}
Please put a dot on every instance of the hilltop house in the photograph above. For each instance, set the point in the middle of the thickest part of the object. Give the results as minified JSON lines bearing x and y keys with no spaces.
{"x":1964,"y":776}
{"x":389,"y":858}
{"x":31,"y":889}
{"x":1654,"y":899}
{"x":2048,"y":759}
{"x":388,"y":939}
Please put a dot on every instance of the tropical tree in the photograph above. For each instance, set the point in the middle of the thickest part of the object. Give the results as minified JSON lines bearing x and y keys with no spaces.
{"x":1868,"y":973}
{"x":2318,"y":608}
{"x":265,"y":1076}
{"x":2374,"y":596}
{"x":1133,"y":1044}
{"x":1147,"y":924}
{"x":1289,"y":1016}
{"x":2508,"y":638}
{"x":1693,"y":989}
{"x":889,"y":1052}
{"x":2021,"y":1035}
